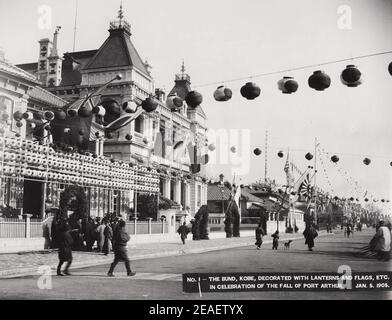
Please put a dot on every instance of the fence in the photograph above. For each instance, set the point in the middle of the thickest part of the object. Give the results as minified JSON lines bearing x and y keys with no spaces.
{"x":23,"y":228}
{"x":146,"y":227}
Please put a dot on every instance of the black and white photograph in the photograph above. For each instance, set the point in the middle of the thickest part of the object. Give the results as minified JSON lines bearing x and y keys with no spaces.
{"x":212,"y":153}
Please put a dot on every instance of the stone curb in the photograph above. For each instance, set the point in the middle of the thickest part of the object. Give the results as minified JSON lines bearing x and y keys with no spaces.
{"x":22,"y":272}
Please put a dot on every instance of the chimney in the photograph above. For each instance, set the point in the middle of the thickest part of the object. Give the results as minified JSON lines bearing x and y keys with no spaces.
{"x":160,"y":94}
{"x":54,"y":63}
{"x":54,"y":52}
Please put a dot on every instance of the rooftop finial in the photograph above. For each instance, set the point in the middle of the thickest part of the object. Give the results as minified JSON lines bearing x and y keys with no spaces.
{"x":120,"y":13}
{"x":183,"y":68}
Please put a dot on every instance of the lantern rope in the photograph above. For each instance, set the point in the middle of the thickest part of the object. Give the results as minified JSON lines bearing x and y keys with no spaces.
{"x":293,"y":69}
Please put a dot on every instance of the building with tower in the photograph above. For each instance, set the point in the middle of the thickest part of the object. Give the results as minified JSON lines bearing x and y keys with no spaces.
{"x":169,"y":140}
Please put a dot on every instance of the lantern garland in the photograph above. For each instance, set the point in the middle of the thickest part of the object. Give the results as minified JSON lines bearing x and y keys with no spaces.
{"x":29,"y":159}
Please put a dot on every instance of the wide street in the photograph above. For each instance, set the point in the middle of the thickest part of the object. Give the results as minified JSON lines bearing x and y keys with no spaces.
{"x":161,"y":278}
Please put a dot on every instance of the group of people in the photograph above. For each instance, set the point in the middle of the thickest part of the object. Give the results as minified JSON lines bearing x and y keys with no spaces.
{"x":310,"y":233}
{"x":105,"y":233}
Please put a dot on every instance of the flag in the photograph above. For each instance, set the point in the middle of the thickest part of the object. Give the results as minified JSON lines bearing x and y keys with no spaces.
{"x":289,"y":174}
{"x":305,"y":188}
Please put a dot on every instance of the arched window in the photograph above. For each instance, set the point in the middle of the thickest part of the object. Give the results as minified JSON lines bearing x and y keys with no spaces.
{"x":139,"y":124}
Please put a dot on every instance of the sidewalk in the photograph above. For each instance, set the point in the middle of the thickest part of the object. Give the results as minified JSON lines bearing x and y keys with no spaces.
{"x":14,"y":265}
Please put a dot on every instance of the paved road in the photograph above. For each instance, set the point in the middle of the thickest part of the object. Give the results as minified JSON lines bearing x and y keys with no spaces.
{"x":160,"y":278}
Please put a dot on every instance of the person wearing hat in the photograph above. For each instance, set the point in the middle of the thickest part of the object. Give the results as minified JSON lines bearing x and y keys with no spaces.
{"x":381,"y":242}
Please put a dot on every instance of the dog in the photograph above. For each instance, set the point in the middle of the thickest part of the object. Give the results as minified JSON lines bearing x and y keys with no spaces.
{"x":287,"y":244}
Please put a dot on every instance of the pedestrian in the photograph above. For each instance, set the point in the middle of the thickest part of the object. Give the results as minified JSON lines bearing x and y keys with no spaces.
{"x":99,"y":233}
{"x":65,"y":248}
{"x":275,"y":240}
{"x":259,"y":236}
{"x":348,"y":230}
{"x":89,"y":234}
{"x":310,"y":234}
{"x":381,"y":242}
{"x":183,"y":231}
{"x":108,"y":235}
{"x":121,"y":239}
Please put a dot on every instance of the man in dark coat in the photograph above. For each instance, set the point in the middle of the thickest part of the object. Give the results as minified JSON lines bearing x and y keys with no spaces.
{"x":121,"y":239}
{"x":259,"y":236}
{"x":275,"y":240}
{"x":108,"y":233}
{"x":65,"y":248}
{"x":310,"y":234}
{"x":183,"y":232}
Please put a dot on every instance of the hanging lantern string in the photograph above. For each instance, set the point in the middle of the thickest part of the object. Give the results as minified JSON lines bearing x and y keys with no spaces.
{"x":355,"y":186}
{"x":293,"y":69}
{"x":339,"y":153}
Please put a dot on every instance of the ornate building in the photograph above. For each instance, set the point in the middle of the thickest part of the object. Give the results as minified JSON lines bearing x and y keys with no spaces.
{"x":168,"y":141}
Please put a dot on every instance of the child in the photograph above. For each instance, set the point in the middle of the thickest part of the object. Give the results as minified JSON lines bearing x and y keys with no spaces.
{"x":275,"y":241}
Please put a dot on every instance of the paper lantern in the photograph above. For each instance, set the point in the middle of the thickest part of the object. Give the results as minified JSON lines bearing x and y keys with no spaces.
{"x":351,"y":76}
{"x":174,"y":103}
{"x":60,"y":115}
{"x":28,"y":116}
{"x":211,"y":147}
{"x":72,"y":112}
{"x":18,"y":115}
{"x":149,"y":104}
{"x":334,"y":159}
{"x":257,"y":151}
{"x":288,"y":85}
{"x":222,"y":94}
{"x":309,"y":156}
{"x":250,"y":91}
{"x":109,"y":134}
{"x":85,"y":111}
{"x":129,"y":106}
{"x":319,"y":80}
{"x":280,"y":154}
{"x":48,"y":115}
{"x":366,"y":161}
{"x":193,"y":99}
{"x":99,"y":110}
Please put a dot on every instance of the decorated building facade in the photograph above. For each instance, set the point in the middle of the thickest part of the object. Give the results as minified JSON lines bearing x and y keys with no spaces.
{"x":104,"y":92}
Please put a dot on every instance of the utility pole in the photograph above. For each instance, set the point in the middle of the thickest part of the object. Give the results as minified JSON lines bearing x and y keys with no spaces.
{"x":76,"y":18}
{"x":266,"y":156}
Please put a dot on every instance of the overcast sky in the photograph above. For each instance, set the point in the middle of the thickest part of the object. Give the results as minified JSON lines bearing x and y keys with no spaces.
{"x":221,"y":40}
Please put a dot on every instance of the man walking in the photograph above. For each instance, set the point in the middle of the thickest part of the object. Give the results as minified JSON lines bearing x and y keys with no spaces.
{"x":183,"y":232}
{"x":310,"y":234}
{"x":259,"y":236}
{"x":65,"y":249}
{"x":121,"y":239}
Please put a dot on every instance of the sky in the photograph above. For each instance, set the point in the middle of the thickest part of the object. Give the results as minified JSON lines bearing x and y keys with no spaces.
{"x":222,"y":40}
